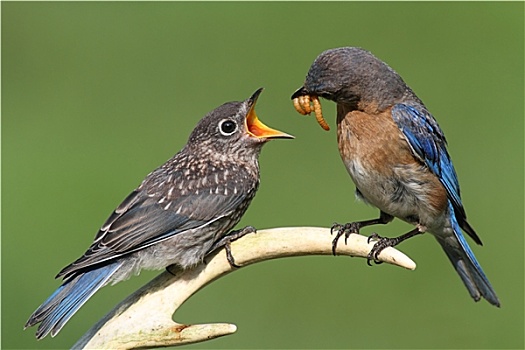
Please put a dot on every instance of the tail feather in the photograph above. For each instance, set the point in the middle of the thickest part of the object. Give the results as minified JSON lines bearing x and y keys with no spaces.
{"x":54,"y":313}
{"x":468,"y":267}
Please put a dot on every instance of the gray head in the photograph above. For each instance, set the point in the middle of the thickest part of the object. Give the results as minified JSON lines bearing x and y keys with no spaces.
{"x":351,"y":75}
{"x":232,"y":129}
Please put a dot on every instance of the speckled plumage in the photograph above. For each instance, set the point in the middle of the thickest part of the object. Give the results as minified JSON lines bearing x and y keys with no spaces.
{"x":178,"y":213}
{"x":396,"y":154}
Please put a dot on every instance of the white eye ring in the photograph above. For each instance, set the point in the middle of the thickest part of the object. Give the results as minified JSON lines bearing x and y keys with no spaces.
{"x":227,"y":127}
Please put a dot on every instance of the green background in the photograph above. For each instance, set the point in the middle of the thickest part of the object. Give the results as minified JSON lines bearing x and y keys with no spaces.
{"x":95,"y":95}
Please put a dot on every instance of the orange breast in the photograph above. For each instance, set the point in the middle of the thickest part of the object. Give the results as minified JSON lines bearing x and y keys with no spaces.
{"x":383,"y":167}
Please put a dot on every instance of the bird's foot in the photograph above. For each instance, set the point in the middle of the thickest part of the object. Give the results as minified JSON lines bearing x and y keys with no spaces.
{"x":228,"y":239}
{"x":379,"y":246}
{"x":345,"y":229}
{"x":385,"y":242}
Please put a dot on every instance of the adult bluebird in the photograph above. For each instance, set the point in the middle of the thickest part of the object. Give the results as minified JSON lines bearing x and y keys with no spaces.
{"x":182,"y":211}
{"x":396,"y":154}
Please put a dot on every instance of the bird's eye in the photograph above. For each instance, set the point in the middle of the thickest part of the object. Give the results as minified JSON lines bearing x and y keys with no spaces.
{"x":227,"y":127}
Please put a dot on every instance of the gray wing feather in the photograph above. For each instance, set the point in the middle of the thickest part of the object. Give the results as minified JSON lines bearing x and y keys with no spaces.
{"x":144,"y":219}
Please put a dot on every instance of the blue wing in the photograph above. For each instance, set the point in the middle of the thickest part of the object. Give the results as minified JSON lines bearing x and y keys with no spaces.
{"x":429,"y":145}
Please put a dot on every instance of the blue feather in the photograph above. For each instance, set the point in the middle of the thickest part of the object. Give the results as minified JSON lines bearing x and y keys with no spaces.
{"x":68,"y":298}
{"x":429,"y":144}
{"x":466,"y":264}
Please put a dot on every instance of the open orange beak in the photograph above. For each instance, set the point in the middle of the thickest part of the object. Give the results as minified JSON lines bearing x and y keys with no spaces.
{"x":256,"y":128}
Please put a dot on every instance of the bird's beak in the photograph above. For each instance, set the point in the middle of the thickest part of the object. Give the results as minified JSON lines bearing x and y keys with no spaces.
{"x":256,"y":128}
{"x":300,"y":92}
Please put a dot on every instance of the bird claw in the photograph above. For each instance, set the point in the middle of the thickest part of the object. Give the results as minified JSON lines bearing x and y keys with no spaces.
{"x":228,"y":239}
{"x":229,"y":255}
{"x":374,"y":235}
{"x":335,"y":227}
{"x":384,"y":242}
{"x":346,"y":229}
{"x":379,"y":246}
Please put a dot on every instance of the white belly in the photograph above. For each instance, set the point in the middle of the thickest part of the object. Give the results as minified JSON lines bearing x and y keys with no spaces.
{"x":399,"y":195}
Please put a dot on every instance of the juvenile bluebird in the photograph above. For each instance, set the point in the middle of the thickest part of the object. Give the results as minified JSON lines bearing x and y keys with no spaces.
{"x":181,"y":212}
{"x":396,"y":154}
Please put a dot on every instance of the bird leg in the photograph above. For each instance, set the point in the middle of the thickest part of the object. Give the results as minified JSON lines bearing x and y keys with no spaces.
{"x":227,"y":240}
{"x":354,"y":227}
{"x":384,"y":242}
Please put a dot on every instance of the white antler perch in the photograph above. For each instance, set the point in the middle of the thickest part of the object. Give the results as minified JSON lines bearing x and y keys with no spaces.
{"x":144,"y":319}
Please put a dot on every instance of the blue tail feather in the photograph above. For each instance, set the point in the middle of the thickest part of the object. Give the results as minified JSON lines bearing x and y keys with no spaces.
{"x":54,"y":313}
{"x":467,"y":266}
